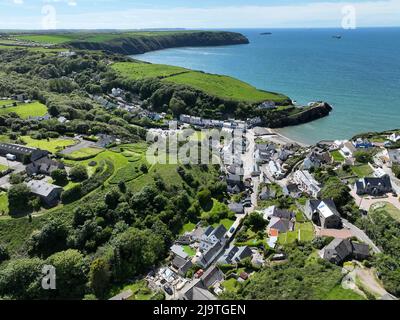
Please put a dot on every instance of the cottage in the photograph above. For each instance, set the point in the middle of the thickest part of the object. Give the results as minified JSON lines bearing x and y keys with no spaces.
{"x":395,"y":137}
{"x":48,"y":193}
{"x":196,"y":290}
{"x":306,"y":183}
{"x":281,"y":225}
{"x":348,"y":149}
{"x":276,"y":170}
{"x":211,"y":245}
{"x":394,"y":156}
{"x":22,"y":153}
{"x":363,"y":144}
{"x":181,"y":265}
{"x":374,"y":186}
{"x":237,"y":208}
{"x":323,"y":213}
{"x":274,"y":211}
{"x":178,"y":251}
{"x":44,"y":166}
{"x":234,"y":255}
{"x":340,"y":250}
{"x":291,"y":190}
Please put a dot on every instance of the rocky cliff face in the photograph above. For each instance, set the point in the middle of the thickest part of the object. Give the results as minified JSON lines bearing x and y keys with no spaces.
{"x":141,"y":44}
{"x":308,"y":115}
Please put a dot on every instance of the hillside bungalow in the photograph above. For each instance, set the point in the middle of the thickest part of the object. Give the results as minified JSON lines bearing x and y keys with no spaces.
{"x":348,"y":149}
{"x":374,"y":186}
{"x":48,"y":193}
{"x":323,"y":213}
{"x":21,"y":153}
{"x":181,"y":265}
{"x":280,"y":220}
{"x":341,"y":250}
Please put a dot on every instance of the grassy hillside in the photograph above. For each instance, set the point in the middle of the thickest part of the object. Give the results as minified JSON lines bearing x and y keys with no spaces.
{"x":34,"y":109}
{"x":223,"y":87}
{"x":137,"y":71}
{"x":130,"y":42}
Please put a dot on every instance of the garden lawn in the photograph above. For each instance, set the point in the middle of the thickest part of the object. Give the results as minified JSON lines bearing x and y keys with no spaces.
{"x":3,"y":167}
{"x":26,"y":110}
{"x":391,"y":209}
{"x":227,"y":223}
{"x":51,"y":145}
{"x":188,"y":227}
{"x":362,"y":171}
{"x":139,"y":288}
{"x":189,"y":251}
{"x":303,"y":232}
{"x":231,"y":285}
{"x":337,"y":156}
{"x":6,"y":103}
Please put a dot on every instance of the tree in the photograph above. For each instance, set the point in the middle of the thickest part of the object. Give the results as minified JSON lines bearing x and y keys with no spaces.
{"x":99,"y":277}
{"x":52,"y":238}
{"x":78,"y":173}
{"x":18,"y":197}
{"x":144,"y":168}
{"x":71,"y":272}
{"x":256,"y":222}
{"x":60,"y":177}
{"x":204,"y":197}
{"x":16,"y":178}
{"x":396,"y":170}
{"x":112,"y":198}
{"x":21,"y":279}
{"x":4,"y":255}
{"x":363,"y":156}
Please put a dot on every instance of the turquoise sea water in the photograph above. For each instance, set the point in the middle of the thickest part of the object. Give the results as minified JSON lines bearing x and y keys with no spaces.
{"x":359,"y":75}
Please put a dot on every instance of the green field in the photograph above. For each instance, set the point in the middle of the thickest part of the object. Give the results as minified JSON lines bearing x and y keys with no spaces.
{"x":3,"y":203}
{"x":84,"y":153}
{"x":223,"y":87}
{"x":6,"y":102}
{"x":24,"y":111}
{"x":227,"y":223}
{"x":137,"y":71}
{"x":139,"y":289}
{"x":3,"y":167}
{"x":46,"y":39}
{"x":188,"y":227}
{"x":51,"y":145}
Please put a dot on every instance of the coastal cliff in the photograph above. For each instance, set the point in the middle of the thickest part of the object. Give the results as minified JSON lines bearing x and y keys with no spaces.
{"x":130,"y":45}
{"x":313,"y":113}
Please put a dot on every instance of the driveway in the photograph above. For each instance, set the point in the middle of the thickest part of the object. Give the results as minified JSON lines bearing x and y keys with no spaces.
{"x":365,"y":203}
{"x":81,"y":145}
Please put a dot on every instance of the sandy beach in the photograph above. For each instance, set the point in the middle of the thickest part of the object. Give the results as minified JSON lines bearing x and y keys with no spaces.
{"x":275,"y":137}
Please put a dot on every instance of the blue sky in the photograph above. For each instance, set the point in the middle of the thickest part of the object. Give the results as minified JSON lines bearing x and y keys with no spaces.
{"x":136,"y":14}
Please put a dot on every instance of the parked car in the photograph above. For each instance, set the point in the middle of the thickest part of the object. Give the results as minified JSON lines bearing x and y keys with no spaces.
{"x":168,"y":290}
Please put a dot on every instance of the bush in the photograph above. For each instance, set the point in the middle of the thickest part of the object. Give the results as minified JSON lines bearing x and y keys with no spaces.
{"x":78,"y":173}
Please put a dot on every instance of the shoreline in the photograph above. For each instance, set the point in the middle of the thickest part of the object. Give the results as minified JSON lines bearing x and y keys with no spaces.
{"x":275,"y":136}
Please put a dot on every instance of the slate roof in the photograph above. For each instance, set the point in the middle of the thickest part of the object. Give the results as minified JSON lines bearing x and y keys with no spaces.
{"x":42,"y":188}
{"x":282,"y":225}
{"x":236,"y":207}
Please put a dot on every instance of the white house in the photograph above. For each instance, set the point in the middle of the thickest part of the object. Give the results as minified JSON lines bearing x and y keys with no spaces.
{"x":275,"y":169}
{"x":306,"y":183}
{"x":394,"y":137}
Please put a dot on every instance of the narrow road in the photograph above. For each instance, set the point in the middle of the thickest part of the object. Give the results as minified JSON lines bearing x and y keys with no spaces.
{"x":357,"y":232}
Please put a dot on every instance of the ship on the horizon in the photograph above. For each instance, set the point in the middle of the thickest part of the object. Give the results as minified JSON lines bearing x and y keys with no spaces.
{"x":265,"y":33}
{"x":338,"y":36}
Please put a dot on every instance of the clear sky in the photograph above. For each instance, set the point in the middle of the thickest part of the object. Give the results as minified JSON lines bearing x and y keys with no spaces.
{"x":136,"y":14}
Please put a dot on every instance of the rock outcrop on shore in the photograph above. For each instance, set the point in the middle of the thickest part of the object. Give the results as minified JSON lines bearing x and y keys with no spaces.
{"x":308,"y":115}
{"x":130,"y":45}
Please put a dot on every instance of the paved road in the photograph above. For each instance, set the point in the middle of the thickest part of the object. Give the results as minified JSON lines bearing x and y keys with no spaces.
{"x":81,"y":145}
{"x":360,"y":235}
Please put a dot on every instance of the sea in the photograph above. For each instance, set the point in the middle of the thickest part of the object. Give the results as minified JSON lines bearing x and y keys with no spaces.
{"x":356,"y":71}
